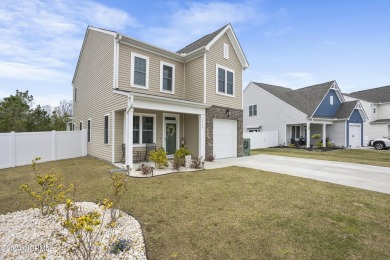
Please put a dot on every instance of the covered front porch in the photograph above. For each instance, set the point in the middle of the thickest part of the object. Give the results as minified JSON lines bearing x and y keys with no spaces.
{"x":151,"y":122}
{"x":329,"y":131}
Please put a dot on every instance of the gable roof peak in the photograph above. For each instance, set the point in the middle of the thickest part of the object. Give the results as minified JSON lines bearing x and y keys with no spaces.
{"x":202,"y":42}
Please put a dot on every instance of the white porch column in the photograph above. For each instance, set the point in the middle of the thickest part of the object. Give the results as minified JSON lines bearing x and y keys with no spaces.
{"x":202,"y":136}
{"x":308,"y":135}
{"x":129,"y":138}
{"x":113,"y":137}
{"x":323,"y":135}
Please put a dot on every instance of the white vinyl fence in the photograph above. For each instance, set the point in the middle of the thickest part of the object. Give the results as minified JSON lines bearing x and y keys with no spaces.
{"x":263,"y":139}
{"x":20,"y":148}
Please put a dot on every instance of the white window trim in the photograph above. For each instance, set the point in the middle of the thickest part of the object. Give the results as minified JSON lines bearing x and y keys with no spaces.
{"x":177,"y":116}
{"x":217,"y":66}
{"x":108,"y":129}
{"x":331,"y":100}
{"x":162,"y":63}
{"x":226,"y":51}
{"x":252,"y":110}
{"x":90,"y":130}
{"x":133,"y":55}
{"x":140,"y":128}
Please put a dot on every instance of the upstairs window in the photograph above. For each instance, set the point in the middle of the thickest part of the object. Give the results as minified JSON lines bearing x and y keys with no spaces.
{"x":225,"y":81}
{"x":331,"y":100}
{"x":167,"y":77}
{"x":253,"y":110}
{"x":226,"y":51}
{"x":139,"y":71}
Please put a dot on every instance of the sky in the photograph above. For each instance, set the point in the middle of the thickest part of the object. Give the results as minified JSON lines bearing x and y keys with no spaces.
{"x":291,"y":43}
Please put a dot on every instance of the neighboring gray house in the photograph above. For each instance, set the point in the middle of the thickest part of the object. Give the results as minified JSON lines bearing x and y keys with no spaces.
{"x":129,"y":94}
{"x":300,"y":113}
{"x":376,"y":103}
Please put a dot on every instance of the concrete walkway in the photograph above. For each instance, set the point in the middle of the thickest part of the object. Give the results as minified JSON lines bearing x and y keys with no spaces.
{"x":362,"y":176}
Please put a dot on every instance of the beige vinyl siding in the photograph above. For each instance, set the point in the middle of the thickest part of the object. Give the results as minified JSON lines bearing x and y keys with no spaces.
{"x":154,"y":73}
{"x":215,"y":56}
{"x":94,"y":81}
{"x":194,"y":90}
{"x":191,"y":133}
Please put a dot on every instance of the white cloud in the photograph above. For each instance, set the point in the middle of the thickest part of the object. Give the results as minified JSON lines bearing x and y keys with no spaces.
{"x":24,"y":71}
{"x":50,"y":100}
{"x":194,"y":20}
{"x":41,"y":39}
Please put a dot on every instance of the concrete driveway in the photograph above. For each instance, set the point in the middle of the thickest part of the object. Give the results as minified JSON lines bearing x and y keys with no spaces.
{"x":362,"y":176}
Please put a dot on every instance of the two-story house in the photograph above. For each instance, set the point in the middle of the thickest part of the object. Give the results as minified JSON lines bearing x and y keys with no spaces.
{"x":376,"y":103}
{"x":128,"y":93}
{"x":297,"y":114}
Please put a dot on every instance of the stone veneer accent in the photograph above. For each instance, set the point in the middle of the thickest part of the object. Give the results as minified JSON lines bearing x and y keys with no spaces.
{"x":220,"y":113}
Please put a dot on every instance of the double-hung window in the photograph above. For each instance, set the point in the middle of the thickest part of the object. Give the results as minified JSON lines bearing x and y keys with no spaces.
{"x":144,"y":129}
{"x":167,"y":77}
{"x":225,"y":81}
{"x":139,"y":71}
{"x":253,"y":110}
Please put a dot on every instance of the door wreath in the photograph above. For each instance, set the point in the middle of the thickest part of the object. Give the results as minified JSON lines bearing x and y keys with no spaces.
{"x":171,"y":130}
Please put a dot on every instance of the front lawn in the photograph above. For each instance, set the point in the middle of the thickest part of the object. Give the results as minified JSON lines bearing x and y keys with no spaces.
{"x":232,"y":213}
{"x":361,"y":156}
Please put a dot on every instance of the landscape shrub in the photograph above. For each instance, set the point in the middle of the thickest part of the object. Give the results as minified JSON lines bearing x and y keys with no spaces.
{"x":196,"y":163}
{"x":52,"y":192}
{"x":159,"y":157}
{"x":119,"y":186}
{"x":145,"y":169}
{"x":210,"y":157}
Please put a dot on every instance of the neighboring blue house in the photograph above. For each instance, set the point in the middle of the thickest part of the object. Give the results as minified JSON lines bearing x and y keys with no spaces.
{"x":300,"y":113}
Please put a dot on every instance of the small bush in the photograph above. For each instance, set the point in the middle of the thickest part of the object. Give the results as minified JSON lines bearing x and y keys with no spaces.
{"x":159,"y":157}
{"x":180,"y":156}
{"x":145,"y":169}
{"x":316,"y":136}
{"x":52,"y":191}
{"x":120,"y":245}
{"x":210,"y":157}
{"x":319,"y":144}
{"x":177,"y":163}
{"x":86,"y":231}
{"x":329,"y":144}
{"x":291,"y":145}
{"x":196,"y":163}
{"x":119,"y":186}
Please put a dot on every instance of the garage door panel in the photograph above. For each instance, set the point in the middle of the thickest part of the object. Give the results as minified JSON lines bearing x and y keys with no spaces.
{"x":224,"y":138}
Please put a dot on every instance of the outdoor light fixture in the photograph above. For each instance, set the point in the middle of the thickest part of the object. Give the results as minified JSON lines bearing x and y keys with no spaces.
{"x":228,"y":112}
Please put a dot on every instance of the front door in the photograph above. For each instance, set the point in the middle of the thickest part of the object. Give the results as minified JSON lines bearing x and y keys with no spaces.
{"x":170,"y":138}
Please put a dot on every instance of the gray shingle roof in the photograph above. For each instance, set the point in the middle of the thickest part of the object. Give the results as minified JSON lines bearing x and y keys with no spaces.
{"x":374,"y":95}
{"x":201,"y":42}
{"x":381,"y":121}
{"x":345,"y":109}
{"x":304,"y":99}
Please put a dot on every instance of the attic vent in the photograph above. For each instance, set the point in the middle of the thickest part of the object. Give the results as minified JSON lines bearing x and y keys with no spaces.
{"x":226,"y":51}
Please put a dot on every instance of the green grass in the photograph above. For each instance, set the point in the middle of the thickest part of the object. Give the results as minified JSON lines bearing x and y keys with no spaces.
{"x":232,"y":213}
{"x":370,"y":157}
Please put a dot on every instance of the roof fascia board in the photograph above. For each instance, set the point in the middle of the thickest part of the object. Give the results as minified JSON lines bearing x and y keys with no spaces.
{"x":154,"y":50}
{"x":168,"y":100}
{"x":195,"y":54}
{"x":252,"y":84}
{"x":236,"y":46}
{"x":102,"y":31}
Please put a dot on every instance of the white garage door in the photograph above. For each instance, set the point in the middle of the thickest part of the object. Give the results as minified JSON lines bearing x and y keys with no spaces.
{"x":224,"y":138}
{"x":354,"y":136}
